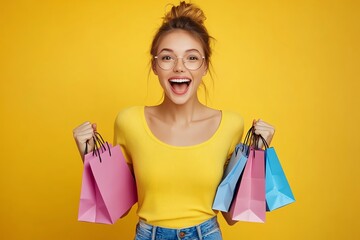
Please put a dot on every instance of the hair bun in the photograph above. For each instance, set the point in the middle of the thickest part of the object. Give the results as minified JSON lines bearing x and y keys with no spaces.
{"x":185,"y":10}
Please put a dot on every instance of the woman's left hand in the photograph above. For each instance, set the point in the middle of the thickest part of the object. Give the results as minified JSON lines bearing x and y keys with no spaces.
{"x":265,"y":130}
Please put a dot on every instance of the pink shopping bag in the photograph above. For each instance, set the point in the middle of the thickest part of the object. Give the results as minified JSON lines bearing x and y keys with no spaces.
{"x":108,"y":187}
{"x":249,"y":204}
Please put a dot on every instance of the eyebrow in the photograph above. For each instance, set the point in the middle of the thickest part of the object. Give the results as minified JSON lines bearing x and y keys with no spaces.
{"x":170,"y":50}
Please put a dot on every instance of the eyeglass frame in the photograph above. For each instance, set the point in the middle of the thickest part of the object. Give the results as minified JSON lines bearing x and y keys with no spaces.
{"x":176,"y":60}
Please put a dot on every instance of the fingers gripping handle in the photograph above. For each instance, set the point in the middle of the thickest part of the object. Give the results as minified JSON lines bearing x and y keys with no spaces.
{"x":99,"y":145}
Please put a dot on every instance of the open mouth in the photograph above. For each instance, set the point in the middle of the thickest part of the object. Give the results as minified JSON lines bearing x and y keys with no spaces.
{"x":180,"y":85}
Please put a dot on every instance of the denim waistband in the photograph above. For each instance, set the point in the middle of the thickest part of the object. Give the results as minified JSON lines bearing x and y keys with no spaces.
{"x":147,"y":231}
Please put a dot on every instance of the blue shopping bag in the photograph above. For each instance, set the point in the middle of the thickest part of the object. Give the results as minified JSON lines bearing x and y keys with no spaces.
{"x":226,"y":188}
{"x":278,"y":191}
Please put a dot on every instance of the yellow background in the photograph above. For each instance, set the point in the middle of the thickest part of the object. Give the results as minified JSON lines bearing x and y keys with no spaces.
{"x":294,"y":64}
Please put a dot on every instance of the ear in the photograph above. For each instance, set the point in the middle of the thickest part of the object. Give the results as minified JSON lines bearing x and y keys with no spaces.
{"x":153,"y":66}
{"x":205,"y":70}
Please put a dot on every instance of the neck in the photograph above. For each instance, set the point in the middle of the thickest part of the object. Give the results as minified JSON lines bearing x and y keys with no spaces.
{"x":180,"y":113}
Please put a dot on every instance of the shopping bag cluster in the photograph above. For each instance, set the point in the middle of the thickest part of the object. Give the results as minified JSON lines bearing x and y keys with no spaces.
{"x":253,"y":182}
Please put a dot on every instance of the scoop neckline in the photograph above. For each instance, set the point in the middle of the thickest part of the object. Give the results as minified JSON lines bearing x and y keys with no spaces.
{"x":151,"y":134}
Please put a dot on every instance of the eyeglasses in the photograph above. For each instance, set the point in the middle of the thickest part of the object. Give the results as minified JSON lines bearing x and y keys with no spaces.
{"x":191,"y":60}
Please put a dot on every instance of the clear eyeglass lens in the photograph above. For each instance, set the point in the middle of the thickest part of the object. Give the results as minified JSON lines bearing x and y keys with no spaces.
{"x":191,"y":61}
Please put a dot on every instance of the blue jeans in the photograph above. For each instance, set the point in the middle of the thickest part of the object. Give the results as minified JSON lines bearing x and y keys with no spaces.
{"x":208,"y":230}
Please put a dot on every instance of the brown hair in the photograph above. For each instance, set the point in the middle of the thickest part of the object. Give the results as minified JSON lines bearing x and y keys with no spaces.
{"x":187,"y":17}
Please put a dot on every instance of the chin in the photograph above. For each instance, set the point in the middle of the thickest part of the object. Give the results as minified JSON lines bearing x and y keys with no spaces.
{"x":178,"y":100}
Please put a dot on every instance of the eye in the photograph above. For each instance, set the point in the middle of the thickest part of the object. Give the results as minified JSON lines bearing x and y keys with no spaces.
{"x":166,"y":58}
{"x":192,"y":58}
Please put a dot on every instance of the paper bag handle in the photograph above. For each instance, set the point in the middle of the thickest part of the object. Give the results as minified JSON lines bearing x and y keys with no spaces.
{"x":99,"y":144}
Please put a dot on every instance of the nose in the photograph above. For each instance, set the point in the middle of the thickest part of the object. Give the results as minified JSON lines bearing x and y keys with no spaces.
{"x":179,"y":65}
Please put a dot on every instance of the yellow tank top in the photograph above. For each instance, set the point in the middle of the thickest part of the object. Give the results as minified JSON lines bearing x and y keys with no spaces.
{"x":176,"y":185}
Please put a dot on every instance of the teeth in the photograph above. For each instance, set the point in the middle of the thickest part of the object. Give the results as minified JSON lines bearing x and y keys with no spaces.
{"x":179,"y":80}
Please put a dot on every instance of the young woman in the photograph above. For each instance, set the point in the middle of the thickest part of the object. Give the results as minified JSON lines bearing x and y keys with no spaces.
{"x":177,"y":149}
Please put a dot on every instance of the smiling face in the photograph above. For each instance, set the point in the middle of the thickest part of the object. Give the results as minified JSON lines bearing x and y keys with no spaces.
{"x":180,"y":84}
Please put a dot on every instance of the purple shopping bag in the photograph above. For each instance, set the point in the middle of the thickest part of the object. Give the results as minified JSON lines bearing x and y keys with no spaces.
{"x":249,"y":204}
{"x":108,"y":187}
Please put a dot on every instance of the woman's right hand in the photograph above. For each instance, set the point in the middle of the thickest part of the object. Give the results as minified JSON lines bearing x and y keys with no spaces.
{"x":82,"y":134}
